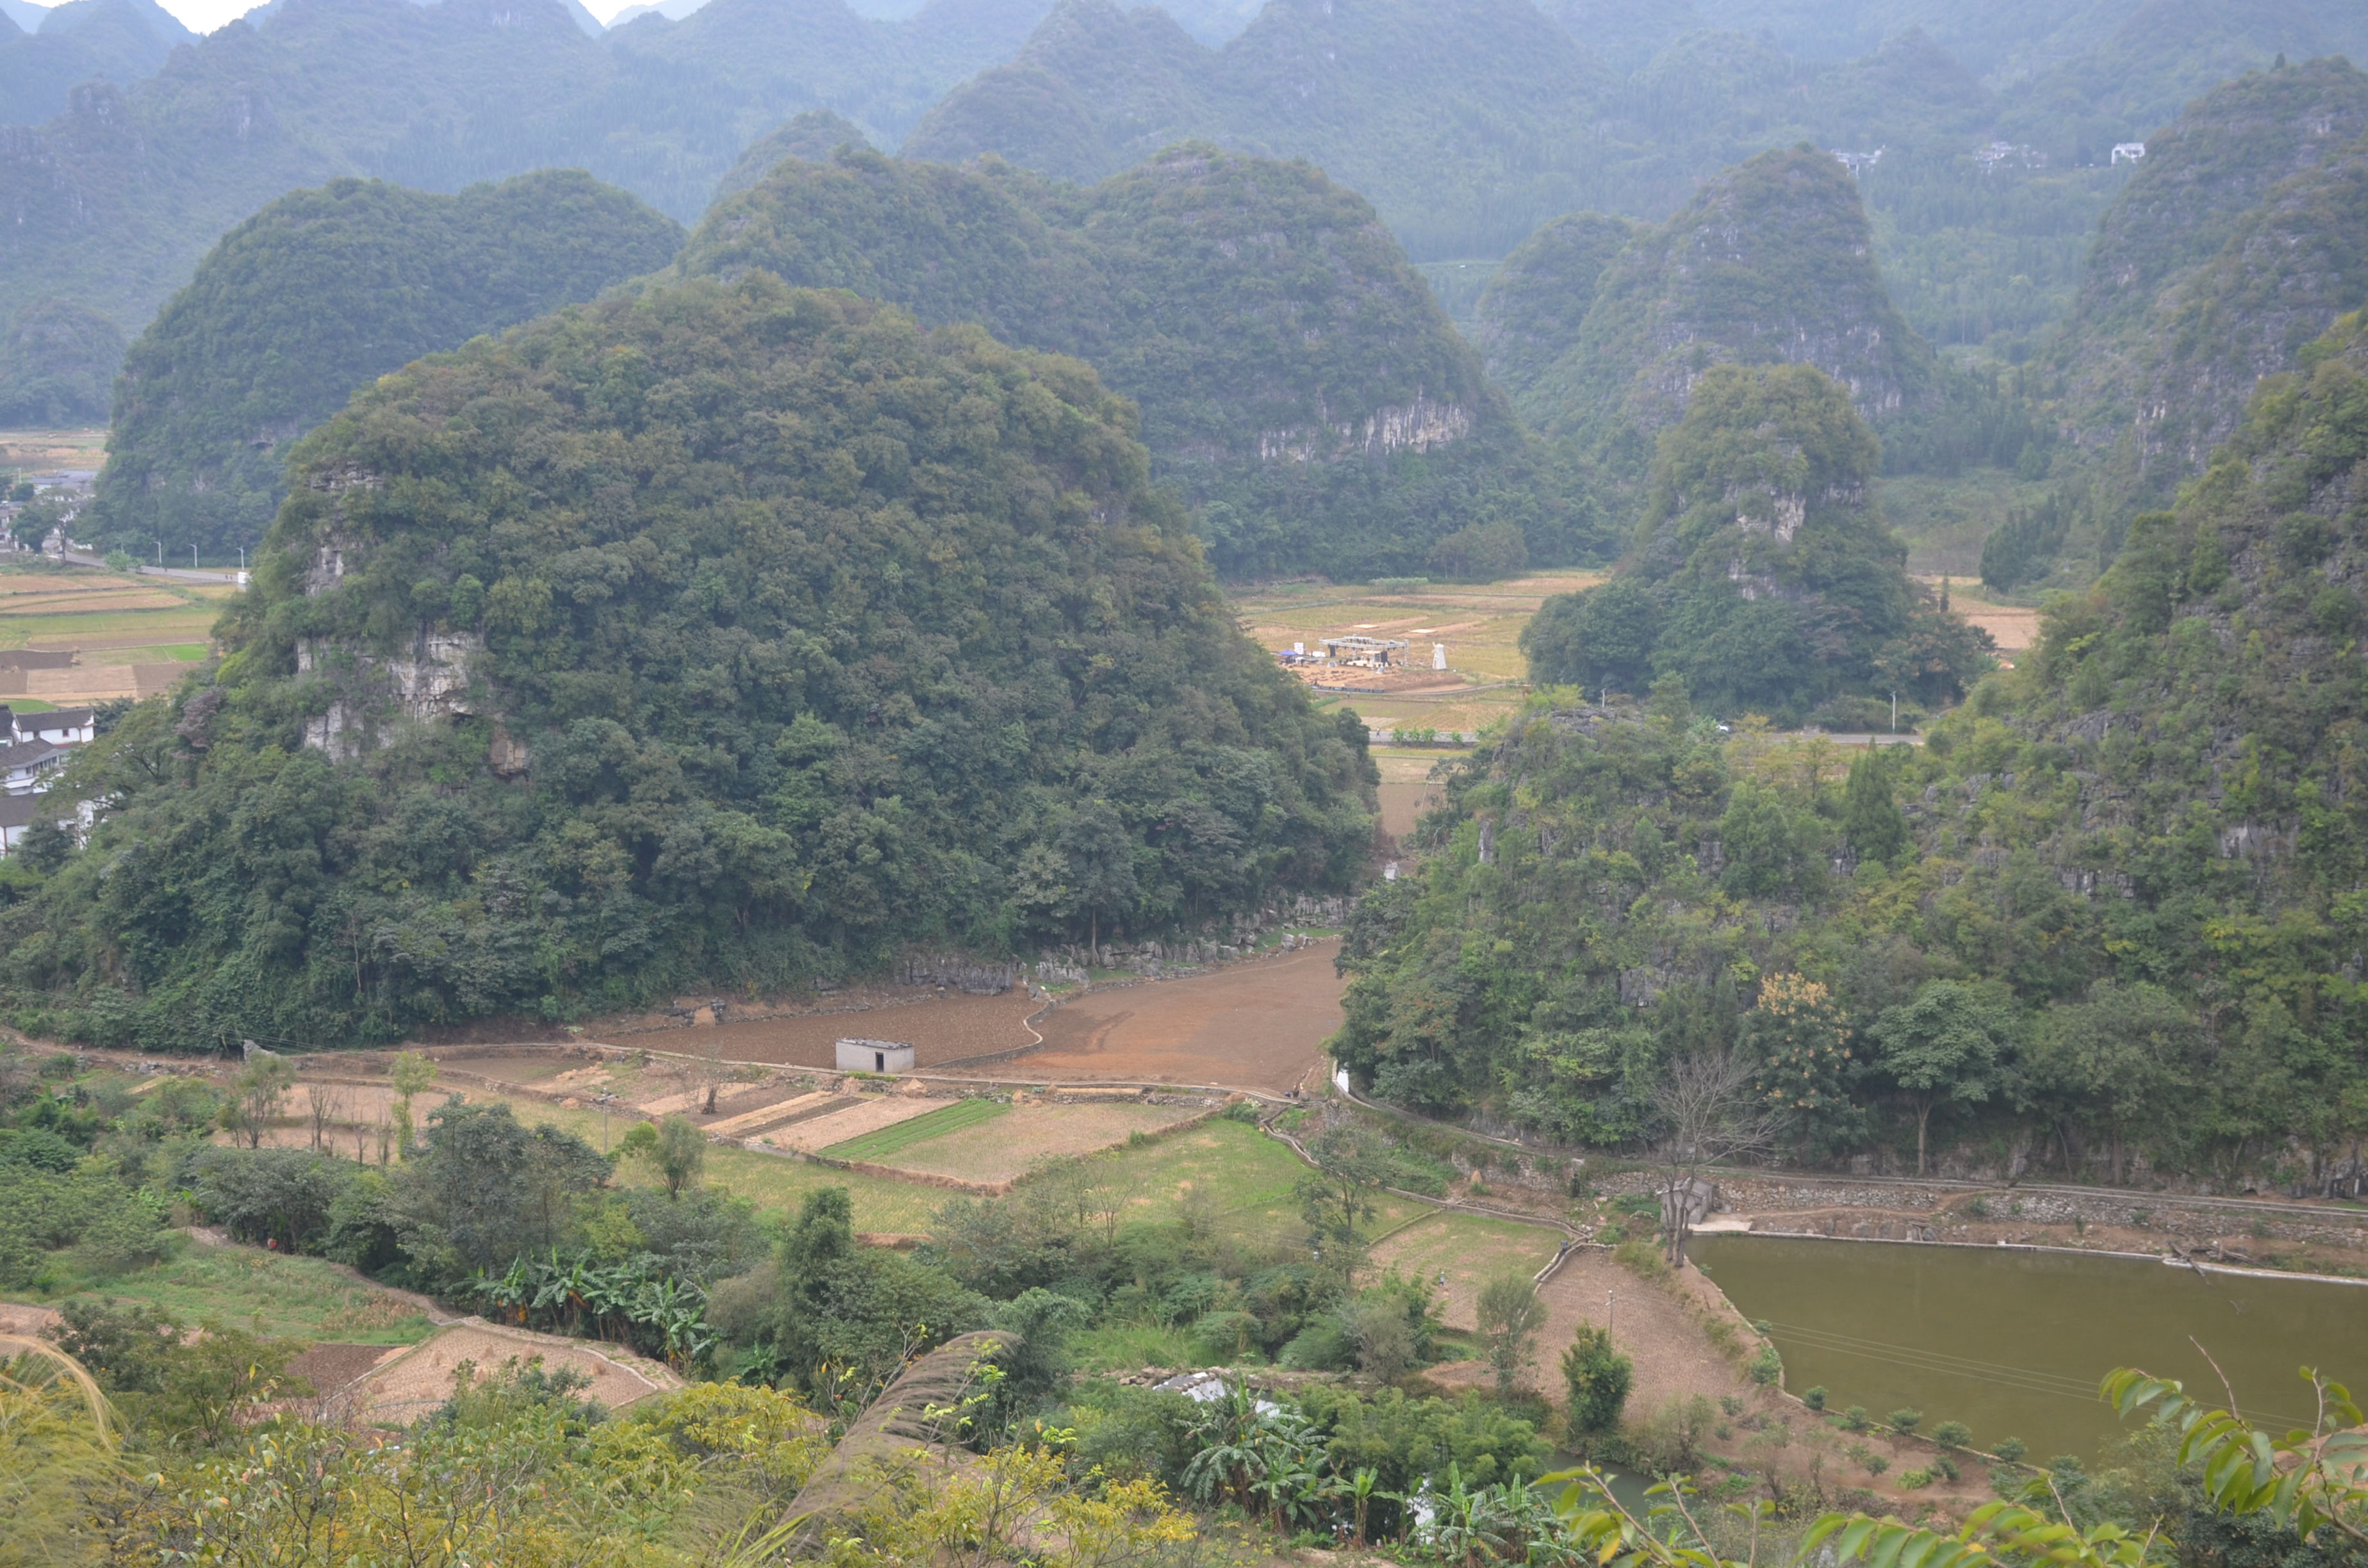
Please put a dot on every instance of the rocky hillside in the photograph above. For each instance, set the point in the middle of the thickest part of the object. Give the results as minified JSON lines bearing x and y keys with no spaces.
{"x":1295,"y":377}
{"x":2238,"y":239}
{"x":1771,"y":264}
{"x":725,"y":635}
{"x":1764,"y":579}
{"x":2105,"y":921}
{"x":320,"y":293}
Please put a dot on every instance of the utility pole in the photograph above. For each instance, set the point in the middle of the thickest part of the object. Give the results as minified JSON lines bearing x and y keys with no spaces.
{"x":1895,"y":712}
{"x":193,"y":558}
{"x":1608,"y":1307}
{"x":160,"y":554}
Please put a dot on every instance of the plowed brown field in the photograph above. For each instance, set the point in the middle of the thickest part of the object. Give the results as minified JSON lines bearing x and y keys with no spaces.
{"x":940,"y":1031}
{"x":1251,"y":1025}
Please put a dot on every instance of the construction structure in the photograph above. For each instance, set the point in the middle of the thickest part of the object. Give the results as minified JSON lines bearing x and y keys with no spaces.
{"x":874,"y":1056}
{"x":1358,"y":652}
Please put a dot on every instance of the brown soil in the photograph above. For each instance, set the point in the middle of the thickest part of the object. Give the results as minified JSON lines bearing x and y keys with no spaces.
{"x":941,"y":1029}
{"x":330,"y":1367}
{"x":409,"y":1386}
{"x":1404,"y":801}
{"x":866,"y":1114}
{"x":24,"y":1319}
{"x":1028,"y":1136}
{"x":1251,"y":1025}
{"x":1675,"y":1358}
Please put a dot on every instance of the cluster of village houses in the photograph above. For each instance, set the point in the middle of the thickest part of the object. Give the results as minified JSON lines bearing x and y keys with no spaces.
{"x":37,"y":745}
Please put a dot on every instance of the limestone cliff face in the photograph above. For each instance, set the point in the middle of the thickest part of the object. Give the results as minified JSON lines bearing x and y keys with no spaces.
{"x":365,"y":688}
{"x":2240,"y":238}
{"x":1771,"y":264}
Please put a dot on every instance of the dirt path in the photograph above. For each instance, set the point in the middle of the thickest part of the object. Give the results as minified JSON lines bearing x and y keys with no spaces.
{"x":1250,"y":1025}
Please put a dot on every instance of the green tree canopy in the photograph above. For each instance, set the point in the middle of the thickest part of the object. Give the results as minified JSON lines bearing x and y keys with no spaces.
{"x":730,"y":633}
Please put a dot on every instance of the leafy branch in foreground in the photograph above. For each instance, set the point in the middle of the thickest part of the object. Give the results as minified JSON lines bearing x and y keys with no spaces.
{"x":2305,"y":1480}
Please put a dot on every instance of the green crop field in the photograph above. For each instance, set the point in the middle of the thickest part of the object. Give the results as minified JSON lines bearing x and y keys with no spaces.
{"x":895,"y":1139}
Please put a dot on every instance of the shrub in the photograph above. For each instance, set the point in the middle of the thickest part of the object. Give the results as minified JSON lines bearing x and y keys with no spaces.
{"x":1220,"y":1338}
{"x":1644,"y":1260}
{"x":1914,"y":1479}
{"x":1876,"y":1464}
{"x":1598,"y":1379}
{"x":1766,"y":1367}
{"x":2009,"y":1448}
{"x":1945,"y":1465}
{"x":1953,"y":1434}
{"x":1815,"y":1398}
{"x":1671,"y":1438}
{"x":1905,"y":1420}
{"x":1854,"y":1418}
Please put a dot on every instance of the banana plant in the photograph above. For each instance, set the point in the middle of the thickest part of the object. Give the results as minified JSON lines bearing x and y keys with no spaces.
{"x":1363,"y":1487}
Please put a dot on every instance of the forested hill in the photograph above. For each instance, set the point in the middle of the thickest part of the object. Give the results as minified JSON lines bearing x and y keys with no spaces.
{"x":1295,"y":377}
{"x":114,"y":198}
{"x":729,"y":635}
{"x":1763,"y":578}
{"x":1771,"y":263}
{"x":121,"y":40}
{"x":2240,"y":239}
{"x":318,"y":294}
{"x":2108,"y":913}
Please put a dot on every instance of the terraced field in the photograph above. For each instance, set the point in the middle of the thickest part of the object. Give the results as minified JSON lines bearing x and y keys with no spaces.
{"x":889,"y":1142}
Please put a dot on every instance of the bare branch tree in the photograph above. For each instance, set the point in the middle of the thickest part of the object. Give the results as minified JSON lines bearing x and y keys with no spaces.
{"x":324,"y":1103}
{"x":1713,"y":1113}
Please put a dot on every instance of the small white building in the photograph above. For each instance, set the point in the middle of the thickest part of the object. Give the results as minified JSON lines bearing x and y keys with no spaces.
{"x":2128,"y":152}
{"x":59,"y":727}
{"x":874,"y":1056}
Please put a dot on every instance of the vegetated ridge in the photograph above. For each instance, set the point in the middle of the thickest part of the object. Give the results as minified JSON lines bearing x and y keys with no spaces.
{"x":2109,"y":913}
{"x":1772,"y":263}
{"x":120,"y":40}
{"x":115,"y":198}
{"x":1296,"y":378}
{"x":1763,"y":578}
{"x":319,"y":294}
{"x":2240,"y":239}
{"x":730,"y":635}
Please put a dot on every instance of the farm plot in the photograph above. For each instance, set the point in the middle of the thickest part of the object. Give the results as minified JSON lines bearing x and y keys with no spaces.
{"x":407,"y":1387}
{"x":1005,"y":1147}
{"x":1251,"y":1025}
{"x":941,"y":1030}
{"x":864,"y":1114}
{"x":877,"y":1147}
{"x":1469,"y":1250}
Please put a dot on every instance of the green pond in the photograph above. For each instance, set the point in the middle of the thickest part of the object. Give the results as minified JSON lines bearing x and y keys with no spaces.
{"x":2013,"y":1343}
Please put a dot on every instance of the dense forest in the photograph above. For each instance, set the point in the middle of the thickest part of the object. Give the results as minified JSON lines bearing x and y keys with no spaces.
{"x":2238,"y":241}
{"x":1296,"y":379}
{"x":318,"y":294}
{"x":2103,"y":921}
{"x":732,"y":634}
{"x":1468,"y":124}
{"x":1763,"y":578}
